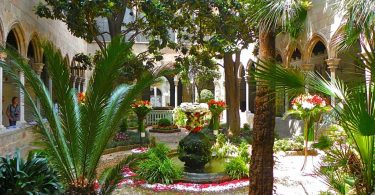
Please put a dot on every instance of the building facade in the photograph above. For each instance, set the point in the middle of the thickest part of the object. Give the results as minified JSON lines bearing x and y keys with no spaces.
{"x":314,"y":50}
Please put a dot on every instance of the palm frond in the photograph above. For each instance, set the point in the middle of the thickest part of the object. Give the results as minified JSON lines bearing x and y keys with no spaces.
{"x":290,"y":15}
{"x":75,"y":137}
{"x":57,"y":144}
{"x":290,"y":80}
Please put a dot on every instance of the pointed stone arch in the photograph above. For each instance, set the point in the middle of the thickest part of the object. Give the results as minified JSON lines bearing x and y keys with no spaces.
{"x":35,"y":45}
{"x":19,"y":35}
{"x":316,"y":38}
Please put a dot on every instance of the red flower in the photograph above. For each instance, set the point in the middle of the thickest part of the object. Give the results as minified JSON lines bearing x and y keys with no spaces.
{"x":215,"y":103}
{"x":96,"y":185}
{"x":197,"y":129}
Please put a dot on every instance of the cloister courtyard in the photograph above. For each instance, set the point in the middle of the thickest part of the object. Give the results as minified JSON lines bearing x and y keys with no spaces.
{"x":187,"y":97}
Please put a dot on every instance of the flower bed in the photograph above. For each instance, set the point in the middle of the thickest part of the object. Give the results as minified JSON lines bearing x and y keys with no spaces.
{"x":181,"y":186}
{"x":165,"y":129}
{"x":139,"y":150}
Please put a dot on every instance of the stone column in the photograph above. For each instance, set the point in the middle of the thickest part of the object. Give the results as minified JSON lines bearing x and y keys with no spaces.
{"x":175,"y":91}
{"x":155,"y":95}
{"x":84,"y":85}
{"x":333,"y":64}
{"x":38,"y":68}
{"x":79,"y":85}
{"x":22,"y":100}
{"x":217,"y":89}
{"x":247,"y":79}
{"x":50,"y":87}
{"x":73,"y":82}
{"x":3,"y":56}
{"x":307,"y":68}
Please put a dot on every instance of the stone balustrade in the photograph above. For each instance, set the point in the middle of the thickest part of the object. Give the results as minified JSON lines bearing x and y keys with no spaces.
{"x":17,"y":138}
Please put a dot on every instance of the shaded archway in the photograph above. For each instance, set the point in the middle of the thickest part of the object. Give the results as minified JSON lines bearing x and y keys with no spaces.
{"x":319,"y":55}
{"x":33,"y":55}
{"x":15,"y":41}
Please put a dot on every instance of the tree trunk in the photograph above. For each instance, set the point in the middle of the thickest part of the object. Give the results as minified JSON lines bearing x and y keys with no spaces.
{"x":232,"y":94}
{"x":115,"y":23}
{"x":261,"y":165}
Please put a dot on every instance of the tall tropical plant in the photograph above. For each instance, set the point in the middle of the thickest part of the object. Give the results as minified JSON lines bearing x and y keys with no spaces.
{"x":77,"y":134}
{"x":359,"y":22}
{"x":272,"y":17}
{"x":355,"y":111}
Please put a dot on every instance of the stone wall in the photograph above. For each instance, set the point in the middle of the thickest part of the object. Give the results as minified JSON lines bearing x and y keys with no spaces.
{"x":20,"y":138}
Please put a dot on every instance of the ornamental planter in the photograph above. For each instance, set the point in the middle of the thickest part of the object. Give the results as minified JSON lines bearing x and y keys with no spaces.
{"x":195,"y":149}
{"x":141,"y":109}
{"x":216,"y":108}
{"x":310,"y":109}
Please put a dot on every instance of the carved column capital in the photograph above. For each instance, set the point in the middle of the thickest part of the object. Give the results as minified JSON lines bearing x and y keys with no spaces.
{"x":38,"y":68}
{"x":307,"y":67}
{"x":3,"y":56}
{"x":333,"y":63}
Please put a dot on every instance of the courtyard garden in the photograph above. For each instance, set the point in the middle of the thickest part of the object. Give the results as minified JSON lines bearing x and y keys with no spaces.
{"x":116,"y":138}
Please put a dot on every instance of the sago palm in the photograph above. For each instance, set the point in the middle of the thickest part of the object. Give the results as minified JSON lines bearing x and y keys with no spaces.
{"x":355,"y":111}
{"x":75,"y":137}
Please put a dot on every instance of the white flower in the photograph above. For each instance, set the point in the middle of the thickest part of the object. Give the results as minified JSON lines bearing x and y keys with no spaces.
{"x":295,"y":107}
{"x":194,"y":107}
{"x":307,"y":105}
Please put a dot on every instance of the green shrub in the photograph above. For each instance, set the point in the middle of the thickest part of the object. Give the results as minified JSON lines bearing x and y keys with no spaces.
{"x":223,"y":148}
{"x":294,"y":144}
{"x":124,"y":125}
{"x":246,"y":127}
{"x":243,"y":151}
{"x":205,"y":96}
{"x":179,"y":117}
{"x":237,"y":168}
{"x":164,"y":122}
{"x":157,"y":167}
{"x":324,"y":142}
{"x":33,"y":176}
{"x":160,"y":150}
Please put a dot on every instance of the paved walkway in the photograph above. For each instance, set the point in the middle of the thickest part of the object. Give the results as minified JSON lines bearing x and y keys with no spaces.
{"x":289,"y":180}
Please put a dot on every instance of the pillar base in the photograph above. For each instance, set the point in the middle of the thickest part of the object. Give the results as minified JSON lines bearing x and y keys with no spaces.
{"x":21,"y":123}
{"x":2,"y":127}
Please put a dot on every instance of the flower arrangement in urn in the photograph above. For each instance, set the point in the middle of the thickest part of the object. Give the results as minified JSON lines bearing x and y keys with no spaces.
{"x":81,"y":96}
{"x":310,"y":109}
{"x":216,"y":108}
{"x":194,"y":149}
{"x":141,"y":109}
{"x":194,"y":113}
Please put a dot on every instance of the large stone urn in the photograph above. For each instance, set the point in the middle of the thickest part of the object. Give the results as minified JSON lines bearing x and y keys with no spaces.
{"x":195,"y":149}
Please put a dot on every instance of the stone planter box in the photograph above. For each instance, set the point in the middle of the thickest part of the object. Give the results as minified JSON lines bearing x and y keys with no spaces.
{"x":172,"y":130}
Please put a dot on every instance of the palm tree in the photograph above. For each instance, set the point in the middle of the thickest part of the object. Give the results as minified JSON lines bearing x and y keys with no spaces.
{"x":354,"y":112}
{"x":75,"y":137}
{"x":359,"y":23}
{"x":272,"y":16}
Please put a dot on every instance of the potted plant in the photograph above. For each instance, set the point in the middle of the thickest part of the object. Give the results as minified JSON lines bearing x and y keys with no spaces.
{"x":310,"y":109}
{"x":216,"y":108}
{"x":195,"y":148}
{"x":141,"y":109}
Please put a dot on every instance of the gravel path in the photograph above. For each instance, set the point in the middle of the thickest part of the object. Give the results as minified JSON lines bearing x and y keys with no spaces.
{"x":289,"y":179}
